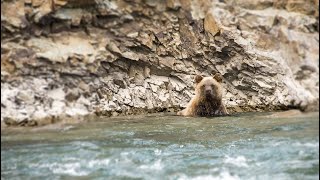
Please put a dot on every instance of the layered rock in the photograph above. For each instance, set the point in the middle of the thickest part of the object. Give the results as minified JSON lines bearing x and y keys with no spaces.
{"x":67,"y":58}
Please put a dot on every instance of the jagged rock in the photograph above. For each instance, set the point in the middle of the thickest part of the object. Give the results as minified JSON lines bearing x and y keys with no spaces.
{"x":74,"y":15}
{"x":113,"y":47}
{"x":77,"y":110}
{"x":210,"y":24}
{"x":10,"y":121}
{"x":130,"y":55}
{"x":57,"y":94}
{"x":62,"y":49}
{"x":26,"y":97}
{"x":13,"y":14}
{"x":137,"y":74}
{"x":43,"y":8}
{"x":72,"y":95}
{"x":62,"y":58}
{"x":173,"y":4}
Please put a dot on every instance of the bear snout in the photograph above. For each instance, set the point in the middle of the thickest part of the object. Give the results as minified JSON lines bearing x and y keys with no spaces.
{"x":208,"y":91}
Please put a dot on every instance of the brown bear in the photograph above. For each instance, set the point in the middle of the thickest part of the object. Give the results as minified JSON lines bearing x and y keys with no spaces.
{"x":208,"y":98}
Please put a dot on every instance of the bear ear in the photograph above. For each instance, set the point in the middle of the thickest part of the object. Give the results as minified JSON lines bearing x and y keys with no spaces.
{"x":197,"y":79}
{"x":218,"y":77}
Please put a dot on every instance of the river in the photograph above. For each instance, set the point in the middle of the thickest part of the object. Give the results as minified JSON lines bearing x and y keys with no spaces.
{"x":241,"y":146}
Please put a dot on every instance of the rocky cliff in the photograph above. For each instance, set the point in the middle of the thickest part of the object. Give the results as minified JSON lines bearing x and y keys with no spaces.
{"x":72,"y":58}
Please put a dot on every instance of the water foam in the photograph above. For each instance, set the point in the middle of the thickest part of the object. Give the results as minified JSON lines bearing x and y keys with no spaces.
{"x":239,"y":161}
{"x":224,"y":175}
{"x":157,"y":165}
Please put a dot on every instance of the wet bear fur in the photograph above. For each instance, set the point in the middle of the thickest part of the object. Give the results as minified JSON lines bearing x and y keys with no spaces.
{"x":208,"y":98}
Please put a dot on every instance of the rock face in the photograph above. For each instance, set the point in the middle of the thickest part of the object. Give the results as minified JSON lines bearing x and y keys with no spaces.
{"x":70,"y":58}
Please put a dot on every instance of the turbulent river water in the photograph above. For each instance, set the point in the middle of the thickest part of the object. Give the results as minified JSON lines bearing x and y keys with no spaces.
{"x":241,"y":146}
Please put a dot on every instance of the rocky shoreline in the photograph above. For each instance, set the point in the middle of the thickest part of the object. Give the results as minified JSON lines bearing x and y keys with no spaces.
{"x":71,"y":59}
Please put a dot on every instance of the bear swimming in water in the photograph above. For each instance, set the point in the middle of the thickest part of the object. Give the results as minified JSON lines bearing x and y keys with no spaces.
{"x":208,"y":98}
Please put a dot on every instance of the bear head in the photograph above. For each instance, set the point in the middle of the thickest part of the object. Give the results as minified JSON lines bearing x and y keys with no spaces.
{"x":209,"y":88}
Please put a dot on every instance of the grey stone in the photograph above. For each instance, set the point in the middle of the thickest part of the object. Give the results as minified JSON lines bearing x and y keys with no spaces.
{"x":75,"y":58}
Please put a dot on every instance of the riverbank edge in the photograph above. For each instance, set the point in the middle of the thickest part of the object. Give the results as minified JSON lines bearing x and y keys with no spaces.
{"x":65,"y":119}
